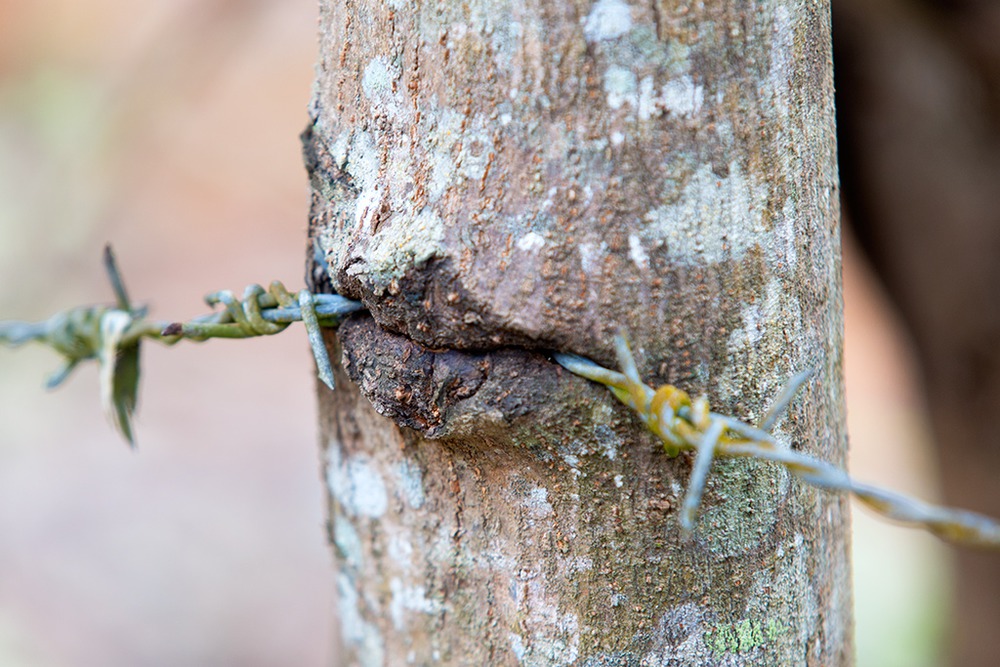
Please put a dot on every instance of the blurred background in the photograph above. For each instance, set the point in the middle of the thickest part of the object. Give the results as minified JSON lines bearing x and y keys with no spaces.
{"x":170,"y":128}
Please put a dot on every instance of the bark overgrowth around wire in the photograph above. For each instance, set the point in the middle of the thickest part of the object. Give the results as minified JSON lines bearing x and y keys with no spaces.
{"x":111,"y":335}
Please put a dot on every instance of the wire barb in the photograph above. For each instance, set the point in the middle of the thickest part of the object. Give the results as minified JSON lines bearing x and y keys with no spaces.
{"x":684,"y":424}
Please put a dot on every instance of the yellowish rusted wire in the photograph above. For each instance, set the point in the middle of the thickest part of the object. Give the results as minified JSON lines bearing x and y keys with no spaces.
{"x":686,"y":424}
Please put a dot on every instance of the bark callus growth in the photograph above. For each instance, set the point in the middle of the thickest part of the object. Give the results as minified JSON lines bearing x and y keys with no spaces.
{"x":500,"y":394}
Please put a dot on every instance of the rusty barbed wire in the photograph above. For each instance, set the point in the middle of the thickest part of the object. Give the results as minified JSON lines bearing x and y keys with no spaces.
{"x":686,"y":424}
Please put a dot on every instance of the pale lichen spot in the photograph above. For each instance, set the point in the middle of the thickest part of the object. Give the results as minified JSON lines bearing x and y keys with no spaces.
{"x":785,"y":231}
{"x":646,"y":106}
{"x":580,"y":564}
{"x":377,"y":84}
{"x":477,"y":146}
{"x":358,"y":634}
{"x":682,"y":96}
{"x":617,"y":138}
{"x":409,"y":598}
{"x":517,"y":646}
{"x":410,"y":240}
{"x":537,"y":503}
{"x":592,"y":256}
{"x":357,"y":485}
{"x":411,"y":483}
{"x":339,"y":149}
{"x":400,"y":550}
{"x":368,"y":205}
{"x":347,"y":541}
{"x":362,"y":162}
{"x":553,"y":636}
{"x":620,"y":87}
{"x":440,"y":142}
{"x":714,"y":219}
{"x":351,"y":623}
{"x":608,"y":19}
{"x":398,"y":173}
{"x":457,"y":31}
{"x":782,"y":50}
{"x":637,"y":253}
{"x":531,"y":241}
{"x":608,"y":441}
{"x":573,"y":461}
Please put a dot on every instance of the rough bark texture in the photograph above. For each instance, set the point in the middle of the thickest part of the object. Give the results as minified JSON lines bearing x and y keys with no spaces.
{"x":499,"y":179}
{"x":920,"y":129}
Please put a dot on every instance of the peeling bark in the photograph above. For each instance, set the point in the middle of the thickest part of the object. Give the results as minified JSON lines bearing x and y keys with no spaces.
{"x":498,"y":180}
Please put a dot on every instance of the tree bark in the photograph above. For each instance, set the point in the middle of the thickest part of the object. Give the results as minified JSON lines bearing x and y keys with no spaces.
{"x":495,"y":180}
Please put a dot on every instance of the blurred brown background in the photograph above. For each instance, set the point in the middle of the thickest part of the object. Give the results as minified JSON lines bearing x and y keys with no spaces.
{"x":170,"y":129}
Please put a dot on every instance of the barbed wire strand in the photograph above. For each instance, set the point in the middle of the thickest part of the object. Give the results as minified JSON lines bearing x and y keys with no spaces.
{"x":685,"y":424}
{"x":111,"y":335}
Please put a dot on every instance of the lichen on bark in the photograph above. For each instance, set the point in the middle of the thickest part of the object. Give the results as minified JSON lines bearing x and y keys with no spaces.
{"x":495,"y":180}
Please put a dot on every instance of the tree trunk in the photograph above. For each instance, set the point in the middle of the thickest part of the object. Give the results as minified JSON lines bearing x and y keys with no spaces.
{"x":498,"y":180}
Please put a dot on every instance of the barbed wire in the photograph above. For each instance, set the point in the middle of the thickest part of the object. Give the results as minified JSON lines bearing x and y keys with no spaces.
{"x":686,"y":424}
{"x":111,"y":335}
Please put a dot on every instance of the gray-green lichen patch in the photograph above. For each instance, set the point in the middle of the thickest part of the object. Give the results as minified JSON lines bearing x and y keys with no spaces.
{"x":395,"y":234}
{"x":756,"y":345}
{"x":786,"y":592}
{"x":608,"y":19}
{"x":347,"y":541}
{"x":680,"y":96}
{"x":356,"y":484}
{"x":620,"y":86}
{"x":712,"y":219}
{"x":728,"y":639}
{"x":410,"y":482}
{"x":378,"y":81}
{"x":357,"y":633}
{"x":408,"y":241}
{"x":740,"y":507}
{"x":409,"y":598}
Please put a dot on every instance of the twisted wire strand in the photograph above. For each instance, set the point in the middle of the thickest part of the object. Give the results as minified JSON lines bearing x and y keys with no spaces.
{"x":684,"y":424}
{"x":111,"y":335}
